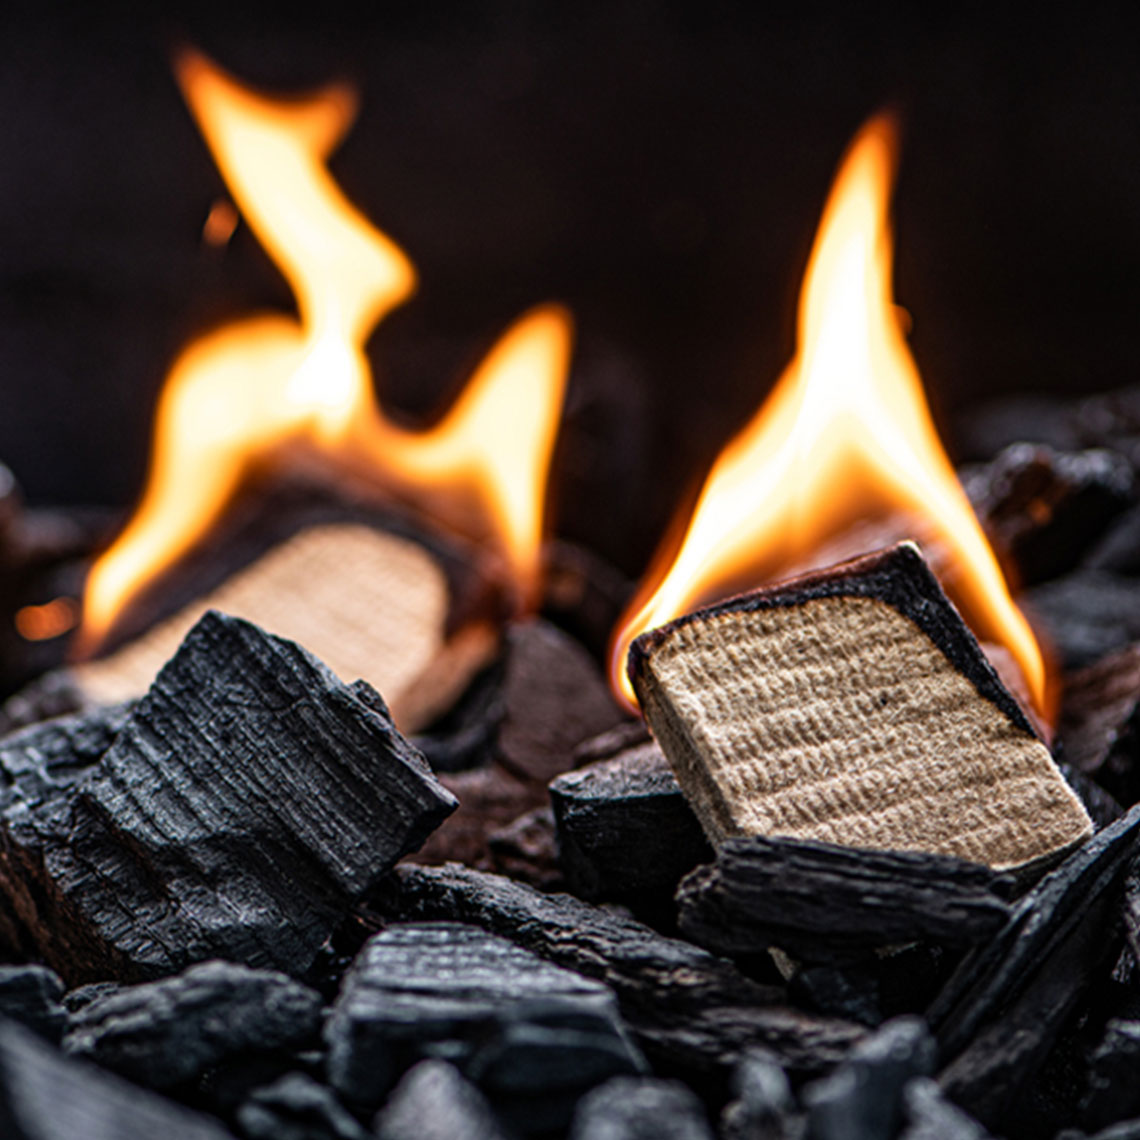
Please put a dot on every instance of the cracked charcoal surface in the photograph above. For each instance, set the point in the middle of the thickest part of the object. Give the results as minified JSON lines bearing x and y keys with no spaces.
{"x":167,"y":1032}
{"x":688,"y":1008}
{"x":433,"y":1101}
{"x":640,"y":1108}
{"x":45,"y":1095}
{"x":820,"y":900}
{"x":248,"y":800}
{"x":31,"y":995}
{"x":531,"y":1035}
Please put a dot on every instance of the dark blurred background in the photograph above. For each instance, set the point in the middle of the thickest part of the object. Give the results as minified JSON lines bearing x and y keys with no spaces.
{"x":657,"y":166}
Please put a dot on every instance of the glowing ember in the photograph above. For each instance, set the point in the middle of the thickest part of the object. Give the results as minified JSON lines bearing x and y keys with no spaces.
{"x":236,"y":398}
{"x":52,"y":619}
{"x":846,"y":434}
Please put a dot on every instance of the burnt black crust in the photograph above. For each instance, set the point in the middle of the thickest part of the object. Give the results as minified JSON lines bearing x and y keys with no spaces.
{"x":898,"y":576}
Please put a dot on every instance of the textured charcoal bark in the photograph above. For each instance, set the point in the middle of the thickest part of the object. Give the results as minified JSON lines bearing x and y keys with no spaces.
{"x":168,"y":1032}
{"x":690,"y":1010}
{"x":555,"y":698}
{"x":31,"y":995}
{"x":863,"y":1098}
{"x":527,"y":849}
{"x":930,"y":1116}
{"x":1086,"y":615}
{"x":762,"y":1105}
{"x":793,"y":710}
{"x":1047,"y":507}
{"x":1099,"y":729}
{"x":296,"y":1107}
{"x":46,"y":1096}
{"x":1113,"y":1093}
{"x":626,"y":832}
{"x":640,"y":1108}
{"x":433,"y":1101}
{"x":249,"y":799}
{"x":531,"y":1035}
{"x":820,"y":901}
{"x":1003,"y":1009}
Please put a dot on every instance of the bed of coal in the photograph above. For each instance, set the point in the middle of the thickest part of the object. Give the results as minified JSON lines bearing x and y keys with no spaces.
{"x":246,"y":905}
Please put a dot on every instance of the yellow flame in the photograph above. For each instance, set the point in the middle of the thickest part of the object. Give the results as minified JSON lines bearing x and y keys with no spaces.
{"x":235,"y":397}
{"x":845,"y":433}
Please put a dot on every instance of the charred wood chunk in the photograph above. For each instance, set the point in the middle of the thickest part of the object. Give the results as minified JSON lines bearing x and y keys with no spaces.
{"x":641,"y":1108}
{"x":46,"y":1096}
{"x":1001,"y":1012}
{"x":32,"y":995}
{"x":555,"y":698}
{"x":852,"y":705}
{"x":247,"y":802}
{"x":1046,"y":507}
{"x":1113,"y":1093}
{"x":863,"y":1098}
{"x":167,"y":1032}
{"x":820,"y":901}
{"x":52,"y":694}
{"x":526,"y":849}
{"x":297,"y":1107}
{"x":433,"y":1101}
{"x":930,"y":1116}
{"x":1099,"y":730}
{"x":690,"y":1010}
{"x":762,"y":1107}
{"x":626,"y":832}
{"x":532,"y":1035}
{"x":1086,"y":614}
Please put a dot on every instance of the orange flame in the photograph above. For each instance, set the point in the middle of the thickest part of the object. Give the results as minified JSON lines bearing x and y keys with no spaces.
{"x":236,"y":397}
{"x":846,"y":432}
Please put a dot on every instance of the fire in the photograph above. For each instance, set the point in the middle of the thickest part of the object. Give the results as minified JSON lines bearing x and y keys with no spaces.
{"x":236,"y":399}
{"x":846,"y":434}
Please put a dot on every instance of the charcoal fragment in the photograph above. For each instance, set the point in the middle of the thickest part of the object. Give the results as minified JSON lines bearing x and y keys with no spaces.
{"x":762,"y":1107}
{"x":822,"y":901}
{"x":32,"y":996}
{"x":44,"y":1095}
{"x":626,"y":832}
{"x":296,"y":1107}
{"x":82,"y":996}
{"x":688,"y":1009}
{"x":1113,"y":1093}
{"x":930,"y":1116}
{"x":250,"y":798}
{"x":640,"y":1108}
{"x":165,"y":1033}
{"x":1046,"y":507}
{"x":531,"y":1035}
{"x":526,"y":849}
{"x":863,"y":1098}
{"x":434,"y":1102}
{"x":52,"y":694}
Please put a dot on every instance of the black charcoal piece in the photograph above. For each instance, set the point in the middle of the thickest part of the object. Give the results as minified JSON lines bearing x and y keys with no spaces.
{"x":1002,"y":1010}
{"x":819,"y":901}
{"x":762,"y":1107}
{"x":640,"y":1108}
{"x":863,"y":1098}
{"x":53,"y":694}
{"x":1113,"y":1092}
{"x":165,"y":1033}
{"x":46,"y":1096}
{"x":433,"y":1101}
{"x":526,"y":849}
{"x":250,"y":798}
{"x":1086,"y":614}
{"x":626,"y":832}
{"x":1099,"y":729}
{"x":32,"y":996}
{"x":1046,"y":507}
{"x":523,"y":1029}
{"x":555,"y":697}
{"x":82,"y":996}
{"x":296,"y":1107}
{"x":930,"y":1116}
{"x":687,"y":1007}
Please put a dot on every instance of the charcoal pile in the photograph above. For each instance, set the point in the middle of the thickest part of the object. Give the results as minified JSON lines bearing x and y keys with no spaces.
{"x":837,"y":886}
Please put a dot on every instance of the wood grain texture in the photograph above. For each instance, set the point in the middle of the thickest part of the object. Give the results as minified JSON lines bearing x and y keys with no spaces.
{"x":250,"y":797}
{"x":853,"y":706}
